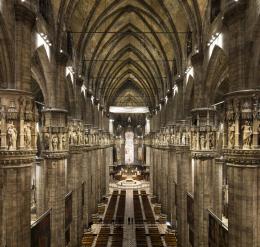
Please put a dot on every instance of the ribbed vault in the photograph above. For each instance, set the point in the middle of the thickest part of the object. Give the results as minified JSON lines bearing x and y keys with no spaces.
{"x":130,"y":50}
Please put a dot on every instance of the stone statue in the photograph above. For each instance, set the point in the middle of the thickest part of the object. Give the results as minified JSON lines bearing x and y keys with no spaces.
{"x":46,"y":140}
{"x":86,"y":139}
{"x":11,"y":136}
{"x":28,"y":106}
{"x":188,"y":138}
{"x":27,"y":135}
{"x":258,"y":133}
{"x":64,"y":141}
{"x":211,"y":140}
{"x":78,"y":136}
{"x":178,"y":138}
{"x":194,"y":140}
{"x":70,"y":135}
{"x":231,"y":135}
{"x":203,"y":142}
{"x":183,"y":138}
{"x":55,"y":142}
{"x":247,"y":135}
{"x":172,"y":138}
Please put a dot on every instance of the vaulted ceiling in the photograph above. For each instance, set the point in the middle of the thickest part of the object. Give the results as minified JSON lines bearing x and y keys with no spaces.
{"x":130,"y":50}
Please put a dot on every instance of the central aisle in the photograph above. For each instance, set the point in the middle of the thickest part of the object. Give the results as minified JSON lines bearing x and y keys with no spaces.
{"x":129,"y":221}
{"x":129,"y":229}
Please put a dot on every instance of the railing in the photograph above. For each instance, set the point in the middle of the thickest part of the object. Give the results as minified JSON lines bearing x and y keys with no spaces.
{"x":138,"y":186}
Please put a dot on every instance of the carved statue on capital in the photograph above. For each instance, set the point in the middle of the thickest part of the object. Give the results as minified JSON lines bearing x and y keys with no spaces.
{"x":247,"y":135}
{"x":64,"y":141}
{"x":194,"y":140}
{"x":203,"y":131}
{"x":242,"y":127}
{"x":27,"y":135}
{"x":86,"y":137}
{"x":203,"y":141}
{"x":73,"y":135}
{"x":183,"y":138}
{"x":78,"y":136}
{"x":55,"y":142}
{"x":11,"y":136}
{"x":211,"y":140}
{"x":46,"y":141}
{"x":231,"y":135}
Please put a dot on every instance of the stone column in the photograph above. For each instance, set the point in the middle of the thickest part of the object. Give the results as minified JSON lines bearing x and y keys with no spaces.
{"x":172,"y":175}
{"x":152,"y":170}
{"x":155,"y":171}
{"x":17,"y":153}
{"x":74,"y":184}
{"x":164,"y":179}
{"x":55,"y":155}
{"x":2,"y":228}
{"x":98,"y":154}
{"x":94,"y":165}
{"x":243,"y":161}
{"x":183,"y":180}
{"x":41,"y":170}
{"x":217,"y":184}
{"x":203,"y":152}
{"x":85,"y":180}
{"x":158,"y":174}
{"x":18,"y":142}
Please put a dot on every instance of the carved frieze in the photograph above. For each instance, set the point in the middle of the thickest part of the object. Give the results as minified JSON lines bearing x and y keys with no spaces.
{"x":18,"y":119}
{"x":242,"y":120}
{"x":203,"y":133}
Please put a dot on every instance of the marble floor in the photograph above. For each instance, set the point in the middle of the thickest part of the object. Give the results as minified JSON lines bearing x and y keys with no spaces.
{"x":129,"y":230}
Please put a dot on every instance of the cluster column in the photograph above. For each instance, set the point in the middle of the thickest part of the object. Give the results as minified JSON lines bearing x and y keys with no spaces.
{"x":203,"y":134}
{"x":18,"y":117}
{"x":74,"y":178}
{"x":17,"y":153}
{"x":183,"y":160}
{"x":55,"y":153}
{"x":242,"y":155}
{"x":172,"y":171}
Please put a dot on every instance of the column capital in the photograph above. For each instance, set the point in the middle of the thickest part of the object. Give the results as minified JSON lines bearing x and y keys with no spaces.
{"x":203,"y":131}
{"x":242,"y":127}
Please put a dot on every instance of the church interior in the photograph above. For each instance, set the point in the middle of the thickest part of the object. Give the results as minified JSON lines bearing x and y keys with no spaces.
{"x":129,"y":123}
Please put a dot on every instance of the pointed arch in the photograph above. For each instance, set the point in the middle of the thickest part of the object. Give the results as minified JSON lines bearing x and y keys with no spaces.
{"x":217,"y":70}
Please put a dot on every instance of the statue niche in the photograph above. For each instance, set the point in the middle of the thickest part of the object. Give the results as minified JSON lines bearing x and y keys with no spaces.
{"x":247,"y":135}
{"x":11,"y":136}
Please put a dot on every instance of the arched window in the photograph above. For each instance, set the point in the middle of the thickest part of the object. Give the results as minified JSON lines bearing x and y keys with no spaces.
{"x":215,"y":9}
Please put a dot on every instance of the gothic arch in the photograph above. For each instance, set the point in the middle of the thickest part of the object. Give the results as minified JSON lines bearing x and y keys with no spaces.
{"x":70,"y":96}
{"x":216,"y":71}
{"x":40,"y":67}
{"x":188,"y":96}
{"x":255,"y":63}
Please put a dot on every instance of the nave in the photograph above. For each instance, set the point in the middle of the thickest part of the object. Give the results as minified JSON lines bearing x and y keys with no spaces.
{"x":129,"y":220}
